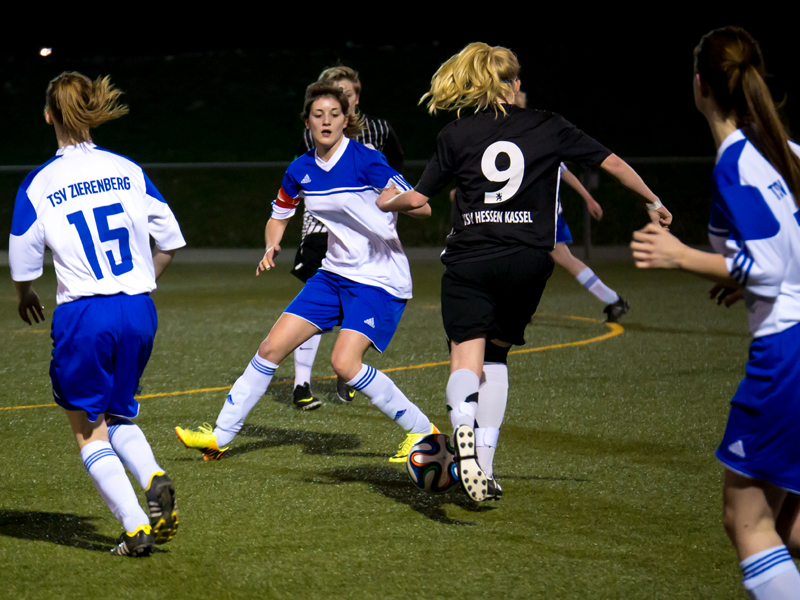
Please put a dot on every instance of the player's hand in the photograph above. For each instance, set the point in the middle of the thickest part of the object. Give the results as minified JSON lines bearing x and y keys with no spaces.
{"x":656,"y":248}
{"x":725,"y":295}
{"x":29,"y":302}
{"x":266,"y":263}
{"x":385,"y":197}
{"x":452,"y":195}
{"x":594,"y":209}
{"x":661,"y":216}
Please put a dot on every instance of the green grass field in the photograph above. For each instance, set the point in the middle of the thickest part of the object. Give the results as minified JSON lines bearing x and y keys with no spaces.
{"x":606,"y":457}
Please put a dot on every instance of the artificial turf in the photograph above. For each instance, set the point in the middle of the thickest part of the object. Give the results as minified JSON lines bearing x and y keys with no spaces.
{"x":611,"y":489}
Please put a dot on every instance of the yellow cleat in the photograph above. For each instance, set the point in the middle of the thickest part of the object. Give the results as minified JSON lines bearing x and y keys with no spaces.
{"x":161,"y":503}
{"x":408,"y":443}
{"x":203,"y":440}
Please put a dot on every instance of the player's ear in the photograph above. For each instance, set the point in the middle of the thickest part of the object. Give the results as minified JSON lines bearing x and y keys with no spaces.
{"x":307,"y":125}
{"x":48,"y":116}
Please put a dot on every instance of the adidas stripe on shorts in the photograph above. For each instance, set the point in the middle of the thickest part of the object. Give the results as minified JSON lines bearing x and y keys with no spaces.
{"x":328,"y":300}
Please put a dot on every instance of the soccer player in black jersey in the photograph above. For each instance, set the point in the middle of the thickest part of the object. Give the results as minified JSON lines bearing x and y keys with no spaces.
{"x":505,"y":161}
{"x":374,"y":133}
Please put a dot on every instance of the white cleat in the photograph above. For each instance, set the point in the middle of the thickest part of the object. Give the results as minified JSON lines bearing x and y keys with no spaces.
{"x":472,"y":478}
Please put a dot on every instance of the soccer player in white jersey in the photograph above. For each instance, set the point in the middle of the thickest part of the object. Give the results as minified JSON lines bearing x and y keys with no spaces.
{"x":363,"y":284}
{"x":505,"y":161}
{"x":97,"y":211}
{"x":755,"y":231}
{"x":374,"y":133}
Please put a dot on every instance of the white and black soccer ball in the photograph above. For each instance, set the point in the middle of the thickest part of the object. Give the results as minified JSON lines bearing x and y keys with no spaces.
{"x":431,"y":464}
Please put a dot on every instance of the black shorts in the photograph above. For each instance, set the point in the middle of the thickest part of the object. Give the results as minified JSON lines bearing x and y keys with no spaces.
{"x":309,"y":255}
{"x":496,"y":297}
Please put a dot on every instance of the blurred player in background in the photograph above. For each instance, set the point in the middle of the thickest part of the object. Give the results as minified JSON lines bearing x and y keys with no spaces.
{"x":505,"y":161}
{"x":96,"y":211}
{"x":373,"y":133}
{"x":615,"y":305}
{"x":363,"y":284}
{"x":755,"y":231}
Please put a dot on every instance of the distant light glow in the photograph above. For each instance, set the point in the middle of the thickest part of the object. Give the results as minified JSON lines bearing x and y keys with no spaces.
{"x":45,"y":51}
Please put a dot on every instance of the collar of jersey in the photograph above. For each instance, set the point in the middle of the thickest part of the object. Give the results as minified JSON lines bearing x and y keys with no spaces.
{"x":728,"y":141}
{"x":70,"y":149}
{"x":327,"y":166}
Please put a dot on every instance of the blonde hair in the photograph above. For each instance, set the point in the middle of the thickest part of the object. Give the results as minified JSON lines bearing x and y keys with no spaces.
{"x":480,"y":75}
{"x":334,"y":75}
{"x":79,"y":104}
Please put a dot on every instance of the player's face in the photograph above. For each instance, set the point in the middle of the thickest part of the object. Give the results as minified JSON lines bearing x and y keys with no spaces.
{"x":326,"y":122}
{"x":350,"y":93}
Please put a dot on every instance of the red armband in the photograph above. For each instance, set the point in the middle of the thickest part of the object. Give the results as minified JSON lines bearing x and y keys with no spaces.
{"x":284,"y":200}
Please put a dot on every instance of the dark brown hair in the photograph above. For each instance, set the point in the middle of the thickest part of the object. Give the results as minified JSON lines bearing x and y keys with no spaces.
{"x":321,"y":89}
{"x":79,"y":104}
{"x":730,"y":63}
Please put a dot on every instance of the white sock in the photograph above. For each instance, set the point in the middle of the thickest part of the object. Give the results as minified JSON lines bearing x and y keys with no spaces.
{"x":462,"y":397}
{"x":115,"y":488}
{"x":771,"y":575}
{"x":492,"y":400}
{"x":304,"y":356}
{"x":243,"y":396}
{"x":131,"y":446}
{"x":388,"y":398}
{"x":592,"y":282}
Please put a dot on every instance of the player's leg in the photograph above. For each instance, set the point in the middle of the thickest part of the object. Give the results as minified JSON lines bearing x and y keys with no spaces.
{"x":287,"y":334}
{"x":371,"y":317}
{"x":83,"y":371}
{"x":788,"y":524}
{"x":304,"y":356}
{"x":492,"y":400}
{"x":111,"y":481}
{"x":307,"y":262}
{"x":615,"y":305}
{"x":750,"y":510}
{"x":314,"y":309}
{"x":134,"y":345}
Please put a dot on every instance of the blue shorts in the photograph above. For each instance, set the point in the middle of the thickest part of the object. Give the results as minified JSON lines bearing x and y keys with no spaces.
{"x":328,"y":300}
{"x":101,"y":345}
{"x":761,"y":438}
{"x":563,"y":236}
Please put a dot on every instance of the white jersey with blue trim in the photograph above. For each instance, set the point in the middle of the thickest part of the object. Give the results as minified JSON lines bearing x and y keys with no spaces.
{"x":755,"y":224}
{"x":96,"y":211}
{"x":363,"y":245}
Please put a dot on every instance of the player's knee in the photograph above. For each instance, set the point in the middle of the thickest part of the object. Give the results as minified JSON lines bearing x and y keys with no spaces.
{"x":269,"y":352}
{"x":495,"y":354}
{"x":346,"y":367}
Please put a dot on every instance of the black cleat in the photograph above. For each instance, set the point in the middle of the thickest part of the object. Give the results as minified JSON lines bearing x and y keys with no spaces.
{"x":472,"y":478}
{"x":161,"y":504}
{"x":136,"y":544}
{"x":344,"y":392}
{"x":303,"y":399}
{"x":493,"y":489}
{"x":616,"y":310}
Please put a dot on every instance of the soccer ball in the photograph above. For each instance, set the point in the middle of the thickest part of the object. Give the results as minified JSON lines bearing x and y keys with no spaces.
{"x":431,"y":464}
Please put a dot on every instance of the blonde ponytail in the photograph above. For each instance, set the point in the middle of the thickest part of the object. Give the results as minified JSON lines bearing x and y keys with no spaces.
{"x":480,"y":75}
{"x":79,"y":104}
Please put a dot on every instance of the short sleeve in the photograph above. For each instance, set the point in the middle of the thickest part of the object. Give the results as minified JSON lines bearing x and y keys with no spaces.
{"x":26,"y":242}
{"x":161,"y":222}
{"x":575,"y":146}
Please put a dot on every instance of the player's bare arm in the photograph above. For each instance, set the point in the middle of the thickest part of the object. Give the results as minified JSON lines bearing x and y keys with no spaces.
{"x":273,"y":234}
{"x":622,"y":171}
{"x":655,"y":248}
{"x":390,"y":201}
{"x":161,"y":260}
{"x":28,"y":301}
{"x":593,"y":206}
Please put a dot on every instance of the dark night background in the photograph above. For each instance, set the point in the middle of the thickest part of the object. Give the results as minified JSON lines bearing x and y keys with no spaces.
{"x":236,"y":96}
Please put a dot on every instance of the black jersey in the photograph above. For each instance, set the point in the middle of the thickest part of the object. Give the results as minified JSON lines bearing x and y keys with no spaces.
{"x":506,"y":172}
{"x":377,"y":134}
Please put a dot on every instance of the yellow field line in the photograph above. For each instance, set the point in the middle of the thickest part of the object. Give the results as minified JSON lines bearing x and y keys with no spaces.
{"x":615,"y":330}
